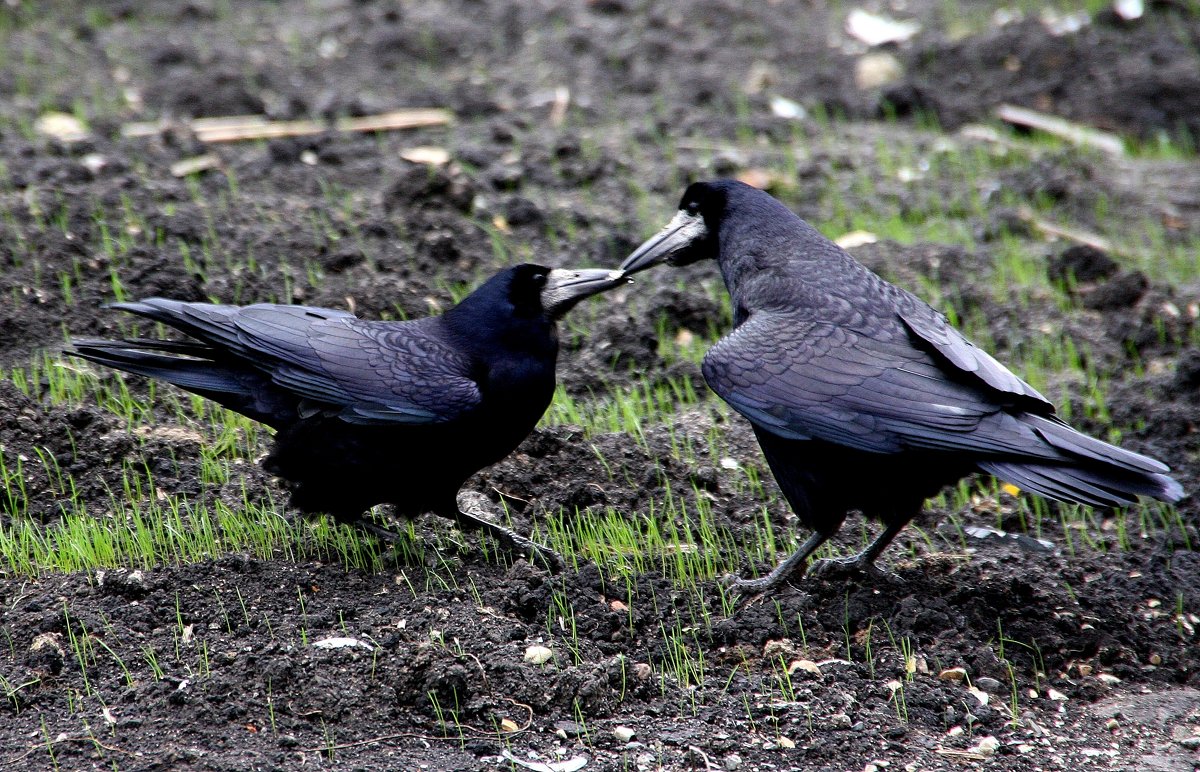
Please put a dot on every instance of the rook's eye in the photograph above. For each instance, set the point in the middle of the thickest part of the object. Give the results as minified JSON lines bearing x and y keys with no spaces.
{"x":693,"y":207}
{"x":539,"y":279}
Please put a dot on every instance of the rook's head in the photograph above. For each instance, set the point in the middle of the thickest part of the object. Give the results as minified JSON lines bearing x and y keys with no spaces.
{"x":692,"y":233}
{"x":535,"y":290}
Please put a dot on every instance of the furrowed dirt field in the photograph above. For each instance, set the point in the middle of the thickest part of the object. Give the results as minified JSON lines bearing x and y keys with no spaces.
{"x":575,"y":127}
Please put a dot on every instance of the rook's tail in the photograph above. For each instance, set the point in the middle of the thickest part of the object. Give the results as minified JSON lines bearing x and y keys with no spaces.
{"x":1095,"y":485}
{"x":1091,"y":472}
{"x":196,"y":368}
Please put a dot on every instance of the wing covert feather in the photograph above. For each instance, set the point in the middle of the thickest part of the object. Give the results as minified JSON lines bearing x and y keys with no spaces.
{"x":810,"y":380}
{"x":374,"y":372}
{"x":932,"y":327}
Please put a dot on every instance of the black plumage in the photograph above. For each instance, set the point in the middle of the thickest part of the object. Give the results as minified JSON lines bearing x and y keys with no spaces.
{"x":862,"y":396}
{"x":366,"y":412}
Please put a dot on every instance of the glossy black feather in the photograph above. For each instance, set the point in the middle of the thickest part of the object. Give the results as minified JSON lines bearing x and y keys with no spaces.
{"x":862,"y":396}
{"x":366,"y":412}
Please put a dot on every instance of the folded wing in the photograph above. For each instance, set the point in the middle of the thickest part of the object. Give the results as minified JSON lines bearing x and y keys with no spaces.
{"x":806,"y":380}
{"x":277,"y":363}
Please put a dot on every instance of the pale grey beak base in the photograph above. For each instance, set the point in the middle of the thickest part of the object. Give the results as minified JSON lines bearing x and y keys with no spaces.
{"x":683,"y":231}
{"x":565,"y":287}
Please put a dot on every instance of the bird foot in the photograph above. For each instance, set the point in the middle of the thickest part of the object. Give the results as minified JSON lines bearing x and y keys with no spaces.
{"x":742,"y":586}
{"x":383,"y":534}
{"x":830,"y":568}
{"x":508,"y":539}
{"x":473,"y":513}
{"x":747,"y":592}
{"x":744,"y":592}
{"x":534,"y":552}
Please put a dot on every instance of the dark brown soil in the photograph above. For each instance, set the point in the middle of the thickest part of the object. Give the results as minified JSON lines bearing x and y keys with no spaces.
{"x":1092,"y":642}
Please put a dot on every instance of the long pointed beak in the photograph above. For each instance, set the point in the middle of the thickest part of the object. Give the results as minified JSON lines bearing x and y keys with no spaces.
{"x":566,"y":287}
{"x":683,"y":231}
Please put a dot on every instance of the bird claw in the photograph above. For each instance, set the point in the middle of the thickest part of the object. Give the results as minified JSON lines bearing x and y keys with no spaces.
{"x":533,"y":551}
{"x":746,"y":592}
{"x":829,"y":568}
{"x":474,"y":512}
{"x":737,"y":583}
{"x":509,"y":540}
{"x":385,"y":535}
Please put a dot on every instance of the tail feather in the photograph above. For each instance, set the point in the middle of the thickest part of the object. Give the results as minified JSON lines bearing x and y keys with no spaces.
{"x":1091,"y":485}
{"x":1064,"y":438}
{"x":208,"y":322}
{"x":222,"y":362}
{"x":1086,"y":470}
{"x":219,"y":326}
{"x":189,"y":366}
{"x":185,"y":372}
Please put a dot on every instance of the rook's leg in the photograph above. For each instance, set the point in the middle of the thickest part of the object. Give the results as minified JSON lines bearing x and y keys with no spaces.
{"x":794,"y":563}
{"x":865,"y":560}
{"x":511,"y":540}
{"x":370,"y":526}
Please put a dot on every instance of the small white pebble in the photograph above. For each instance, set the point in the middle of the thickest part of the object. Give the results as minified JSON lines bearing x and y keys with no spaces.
{"x":987,"y":746}
{"x":339,"y":643}
{"x":1129,"y":9}
{"x":807,"y":665}
{"x":430,"y":156}
{"x":61,"y":126}
{"x":783,"y":107}
{"x":94,"y":162}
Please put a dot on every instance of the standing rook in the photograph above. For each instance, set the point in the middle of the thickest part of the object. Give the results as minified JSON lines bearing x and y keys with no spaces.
{"x":370,"y":413}
{"x":861,"y":395}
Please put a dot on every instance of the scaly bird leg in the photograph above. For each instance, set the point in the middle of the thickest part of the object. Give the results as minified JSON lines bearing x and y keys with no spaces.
{"x":509,"y":539}
{"x":370,"y":526}
{"x":793,"y":564}
{"x":864,"y":561}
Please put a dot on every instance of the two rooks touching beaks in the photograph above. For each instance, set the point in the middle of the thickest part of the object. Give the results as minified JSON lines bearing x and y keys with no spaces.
{"x":861,"y":395}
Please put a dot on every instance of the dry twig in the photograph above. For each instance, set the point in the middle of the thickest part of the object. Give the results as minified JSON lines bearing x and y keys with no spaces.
{"x":1093,"y":240}
{"x":236,"y":128}
{"x":1078,"y":134}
